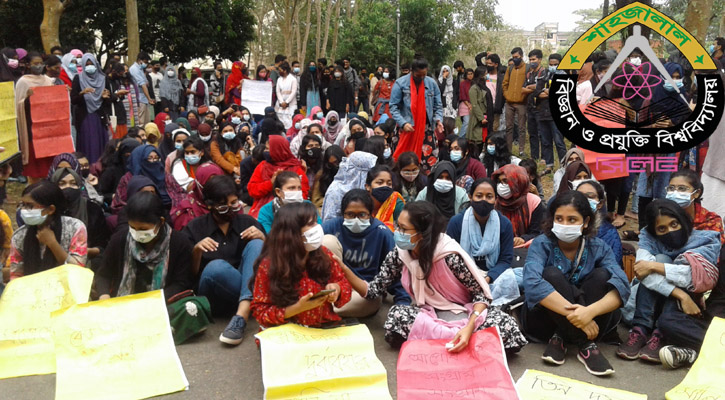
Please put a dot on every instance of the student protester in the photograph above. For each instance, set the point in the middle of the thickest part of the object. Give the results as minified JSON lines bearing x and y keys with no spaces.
{"x":387,"y":203}
{"x":487,"y":236}
{"x":445,"y":85}
{"x":112,"y":174}
{"x":226,"y":245}
{"x":448,"y":198}
{"x":515,"y":93}
{"x":148,"y":255}
{"x":193,"y":204}
{"x":574,"y":286}
{"x":468,"y":168}
{"x":362,"y":242}
{"x":310,"y":152}
{"x":144,"y":160}
{"x":286,"y":89}
{"x":675,"y":265}
{"x":330,"y":166}
{"x":451,"y":301}
{"x":191,"y":156}
{"x":382,"y":92}
{"x":233,"y":87}
{"x":573,"y":154}
{"x":409,"y":181}
{"x":535,"y":186}
{"x":292,"y":268}
{"x":464,"y":101}
{"x":171,"y":94}
{"x":287,"y":189}
{"x":246,"y":169}
{"x":352,"y":174}
{"x":686,"y":190}
{"x":605,"y":230}
{"x":310,"y":90}
{"x":497,"y":154}
{"x":225,"y":147}
{"x":262,"y":181}
{"x":178,"y":136}
{"x":525,"y":210}
{"x":550,"y":135}
{"x":48,"y":239}
{"x":481,"y":117}
{"x":574,"y":173}
{"x":495,"y":84}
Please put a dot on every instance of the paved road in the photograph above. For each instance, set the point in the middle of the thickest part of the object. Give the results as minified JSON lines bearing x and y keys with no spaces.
{"x":216,"y":371}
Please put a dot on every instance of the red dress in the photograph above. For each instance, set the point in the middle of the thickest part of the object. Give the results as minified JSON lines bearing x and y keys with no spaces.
{"x":708,"y":221}
{"x":384,"y":88}
{"x":268,"y":314}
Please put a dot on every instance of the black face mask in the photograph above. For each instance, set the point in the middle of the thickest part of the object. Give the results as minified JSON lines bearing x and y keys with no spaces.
{"x":490,"y":68}
{"x":313,"y":154}
{"x":85,"y":172}
{"x":517,"y":61}
{"x":333,"y":122}
{"x":674,"y":240}
{"x":71,"y":194}
{"x":482,"y":208}
{"x":382,"y":193}
{"x":417,"y":79}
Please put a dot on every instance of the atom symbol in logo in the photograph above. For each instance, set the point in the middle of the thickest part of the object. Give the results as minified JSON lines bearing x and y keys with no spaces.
{"x":643,"y":90}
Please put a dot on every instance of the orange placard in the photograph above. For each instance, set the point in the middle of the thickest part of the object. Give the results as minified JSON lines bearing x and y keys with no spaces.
{"x":50,"y":115}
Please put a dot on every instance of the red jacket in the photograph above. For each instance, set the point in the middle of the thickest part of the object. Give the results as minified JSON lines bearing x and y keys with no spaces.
{"x":261,"y":190}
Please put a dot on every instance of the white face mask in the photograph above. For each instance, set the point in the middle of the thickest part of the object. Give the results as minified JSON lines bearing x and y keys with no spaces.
{"x":205,"y":138}
{"x":338,"y":74}
{"x":313,"y":238}
{"x":292,"y":196}
{"x":504,"y":190}
{"x":356,"y":225}
{"x":567,"y":233}
{"x":142,"y":236}
{"x":575,"y":183}
{"x":33,"y":217}
{"x":386,"y":75}
{"x":443,"y":186}
{"x":170,"y":74}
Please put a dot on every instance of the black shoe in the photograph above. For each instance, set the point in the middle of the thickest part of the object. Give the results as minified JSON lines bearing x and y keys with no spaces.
{"x":555,"y":352}
{"x":594,"y":360}
{"x":676,"y":357}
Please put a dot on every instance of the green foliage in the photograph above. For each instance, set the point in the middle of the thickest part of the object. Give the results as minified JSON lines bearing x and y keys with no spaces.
{"x":424,"y":26}
{"x":370,"y":37}
{"x":20,"y":24}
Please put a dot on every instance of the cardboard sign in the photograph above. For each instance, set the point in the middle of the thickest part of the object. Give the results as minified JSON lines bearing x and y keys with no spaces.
{"x":256,"y":95}
{"x":538,"y":385}
{"x":50,"y":114}
{"x":428,"y":371}
{"x":321,"y":364}
{"x":8,"y":122}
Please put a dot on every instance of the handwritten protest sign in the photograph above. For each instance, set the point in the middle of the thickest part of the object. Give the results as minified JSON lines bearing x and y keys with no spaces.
{"x":705,"y":379}
{"x":340,"y":363}
{"x":50,"y":113}
{"x":428,"y":371}
{"x":256,"y":95}
{"x":116,"y":349}
{"x":26,"y":342}
{"x":8,"y":127}
{"x":538,"y":385}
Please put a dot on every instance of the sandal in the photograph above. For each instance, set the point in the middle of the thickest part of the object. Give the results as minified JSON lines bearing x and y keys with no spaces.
{"x":546,"y":172}
{"x":620,"y":223}
{"x":630,"y":236}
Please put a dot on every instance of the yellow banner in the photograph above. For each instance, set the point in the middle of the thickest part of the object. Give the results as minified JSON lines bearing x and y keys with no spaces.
{"x":26,"y":342}
{"x":307,"y":363}
{"x":116,"y":349}
{"x":705,"y":378}
{"x":538,"y":385}
{"x":8,"y":127}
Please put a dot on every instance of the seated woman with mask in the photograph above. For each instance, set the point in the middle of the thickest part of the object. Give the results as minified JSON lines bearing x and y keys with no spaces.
{"x":387,"y":203}
{"x":523,"y":209}
{"x":362,"y":242}
{"x":287,"y":189}
{"x":686,"y":190}
{"x":448,"y":198}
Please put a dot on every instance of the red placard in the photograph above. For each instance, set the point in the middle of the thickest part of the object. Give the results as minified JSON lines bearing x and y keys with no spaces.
{"x":427,"y":371}
{"x":50,"y":115}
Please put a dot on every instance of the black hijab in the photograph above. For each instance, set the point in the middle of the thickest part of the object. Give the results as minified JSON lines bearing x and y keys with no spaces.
{"x":445,"y":202}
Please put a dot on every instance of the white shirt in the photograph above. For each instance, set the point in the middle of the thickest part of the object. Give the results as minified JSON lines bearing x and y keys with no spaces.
{"x":156,"y":78}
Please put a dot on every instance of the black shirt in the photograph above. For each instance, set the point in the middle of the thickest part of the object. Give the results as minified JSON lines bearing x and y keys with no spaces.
{"x":231,"y":245}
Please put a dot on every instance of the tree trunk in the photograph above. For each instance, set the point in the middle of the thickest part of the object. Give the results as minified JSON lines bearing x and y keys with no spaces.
{"x":328,"y":17}
{"x":348,"y":9}
{"x":50,"y":27}
{"x":302,"y":54}
{"x":605,"y":12}
{"x":336,"y":30}
{"x":298,"y":38}
{"x":134,"y":43}
{"x":722,"y":25}
{"x":697,"y":18}
{"x":319,"y":29}
{"x":645,"y":29}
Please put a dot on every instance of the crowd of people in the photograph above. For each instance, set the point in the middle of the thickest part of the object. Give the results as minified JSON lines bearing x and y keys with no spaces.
{"x":351,"y":186}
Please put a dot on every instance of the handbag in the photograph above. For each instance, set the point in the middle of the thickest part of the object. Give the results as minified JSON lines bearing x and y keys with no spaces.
{"x":113,"y":120}
{"x":189,"y":315}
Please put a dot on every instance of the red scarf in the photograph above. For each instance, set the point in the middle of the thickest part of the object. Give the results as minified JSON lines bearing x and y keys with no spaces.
{"x":281,"y":158}
{"x":516,"y":207}
{"x":413,"y":141}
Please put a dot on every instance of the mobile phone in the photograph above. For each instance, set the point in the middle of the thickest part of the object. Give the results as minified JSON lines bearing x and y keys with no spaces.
{"x":321,"y":293}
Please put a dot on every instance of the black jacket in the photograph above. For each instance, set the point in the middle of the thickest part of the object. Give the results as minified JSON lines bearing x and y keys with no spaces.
{"x":499,"y":101}
{"x":339,"y":94}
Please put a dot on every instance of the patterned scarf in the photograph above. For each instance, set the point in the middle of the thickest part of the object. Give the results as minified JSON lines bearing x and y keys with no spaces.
{"x":156,"y":260}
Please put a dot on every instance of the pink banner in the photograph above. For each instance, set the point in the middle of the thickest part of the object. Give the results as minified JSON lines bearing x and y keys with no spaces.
{"x":427,"y":371}
{"x":606,"y":166}
{"x":50,"y":114}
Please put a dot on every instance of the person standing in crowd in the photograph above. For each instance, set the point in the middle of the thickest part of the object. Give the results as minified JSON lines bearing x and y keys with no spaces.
{"x":171,"y":94}
{"x":33,"y":167}
{"x":550,"y":134}
{"x":381,"y":94}
{"x":464,"y":101}
{"x":445,"y":85}
{"x":156,"y":75}
{"x":515,"y":93}
{"x":364,"y":91}
{"x":138,"y":74}
{"x":419,"y":114}
{"x":92,"y":97}
{"x":310,"y":89}
{"x":286,"y":95}
{"x":233,"y":87}
{"x":353,"y":79}
{"x":69,"y":70}
{"x":460,"y":75}
{"x":198,"y":91}
{"x":274,"y":70}
{"x":118,"y":85}
{"x":217,"y":85}
{"x":339,"y":95}
{"x":535,"y":72}
{"x":495,"y":78}
{"x":481,"y":116}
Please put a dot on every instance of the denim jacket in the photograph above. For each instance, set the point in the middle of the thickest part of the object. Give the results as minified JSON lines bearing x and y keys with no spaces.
{"x":400,"y":101}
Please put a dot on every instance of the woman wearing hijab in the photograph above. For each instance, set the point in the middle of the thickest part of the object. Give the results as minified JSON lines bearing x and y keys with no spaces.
{"x":445,"y":83}
{"x":525,"y":210}
{"x":136,"y":184}
{"x":69,"y":69}
{"x":193,"y":205}
{"x":171,"y":93}
{"x":80,"y":207}
{"x":448,"y":198}
{"x":34,"y":168}
{"x":332,"y":126}
{"x":296,"y":126}
{"x":574,"y":154}
{"x":233,"y":88}
{"x":575,"y":173}
{"x":145,"y":160}
{"x":119,"y":100}
{"x":280,"y":159}
{"x":91,"y":97}
{"x":198,"y":91}
{"x":310,"y":89}
{"x":8,"y":65}
{"x":352,"y":174}
{"x":112,"y":174}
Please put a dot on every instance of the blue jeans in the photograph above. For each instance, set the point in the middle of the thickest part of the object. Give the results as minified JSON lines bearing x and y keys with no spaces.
{"x":650,"y":304}
{"x":549,"y":133}
{"x":225,"y":285}
{"x":464,"y":125}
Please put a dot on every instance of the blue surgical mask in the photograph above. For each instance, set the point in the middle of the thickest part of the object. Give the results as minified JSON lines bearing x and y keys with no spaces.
{"x":229,"y":135}
{"x":236,"y":120}
{"x":143,"y":66}
{"x":593,"y":204}
{"x":320,"y":115}
{"x":387,"y":153}
{"x":402,"y":240}
{"x":670,"y":88}
{"x":179,"y":146}
{"x":73,"y":66}
{"x":712,"y":48}
{"x":356,"y":225}
{"x":683,"y":199}
{"x":33,"y":217}
{"x":456,"y":155}
{"x":298,"y":126}
{"x":552,"y":68}
{"x":90,"y":69}
{"x":313,"y":68}
{"x":491,"y":149}
{"x":192,"y":159}
{"x":296,"y":70}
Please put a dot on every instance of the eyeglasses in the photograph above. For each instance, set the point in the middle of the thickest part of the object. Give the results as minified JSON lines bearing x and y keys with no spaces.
{"x":401,"y":229}
{"x":235,"y":207}
{"x":153,"y":159}
{"x":679,"y":188}
{"x":352,"y":215}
